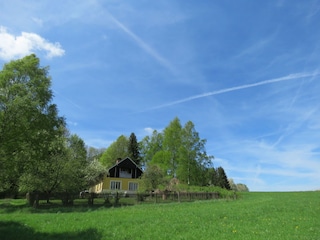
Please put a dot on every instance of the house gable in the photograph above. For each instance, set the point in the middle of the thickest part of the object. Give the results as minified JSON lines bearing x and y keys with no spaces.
{"x":125,"y":168}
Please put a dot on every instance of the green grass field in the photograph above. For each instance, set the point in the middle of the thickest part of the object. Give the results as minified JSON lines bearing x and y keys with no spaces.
{"x":293,"y":215}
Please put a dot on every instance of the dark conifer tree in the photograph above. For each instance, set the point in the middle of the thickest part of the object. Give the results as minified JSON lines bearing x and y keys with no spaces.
{"x":133,"y":149}
{"x":222,"y":179}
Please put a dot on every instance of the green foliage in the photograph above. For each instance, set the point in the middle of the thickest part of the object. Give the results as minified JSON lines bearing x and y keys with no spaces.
{"x":117,"y":149}
{"x":171,"y":144}
{"x":193,"y":159}
{"x":63,"y":170}
{"x":179,"y":152}
{"x":152,"y":178}
{"x":94,"y":173}
{"x":149,"y":146}
{"x":74,"y":171}
{"x":36,"y":151}
{"x":29,"y":122}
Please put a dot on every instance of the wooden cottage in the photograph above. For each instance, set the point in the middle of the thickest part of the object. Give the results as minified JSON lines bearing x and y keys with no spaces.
{"x":123,"y":177}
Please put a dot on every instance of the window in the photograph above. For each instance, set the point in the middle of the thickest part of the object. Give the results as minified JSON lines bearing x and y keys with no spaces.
{"x":115,"y":185}
{"x":133,"y":186}
{"x":125,"y":173}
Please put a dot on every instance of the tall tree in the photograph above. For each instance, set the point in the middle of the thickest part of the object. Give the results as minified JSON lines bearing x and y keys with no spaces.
{"x":133,"y":149}
{"x":149,"y":146}
{"x":75,"y":165}
{"x":172,"y":143}
{"x":193,"y":160}
{"x":29,"y":122}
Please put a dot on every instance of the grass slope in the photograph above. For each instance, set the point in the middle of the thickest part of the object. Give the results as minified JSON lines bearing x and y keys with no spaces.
{"x":292,"y":215}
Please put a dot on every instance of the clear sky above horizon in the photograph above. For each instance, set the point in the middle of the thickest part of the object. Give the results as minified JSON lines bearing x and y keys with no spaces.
{"x":246,"y":73}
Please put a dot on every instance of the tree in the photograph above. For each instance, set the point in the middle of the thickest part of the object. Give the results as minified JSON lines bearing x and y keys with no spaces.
{"x":192,"y":157}
{"x":47,"y":175}
{"x":133,"y":149}
{"x":94,"y":173}
{"x":29,"y":122}
{"x":242,"y":187}
{"x":152,"y":178}
{"x":232,"y":185}
{"x":222,"y":180}
{"x":149,"y":146}
{"x":171,"y":144}
{"x":94,"y":153}
{"x":212,"y":176}
{"x":63,"y":170}
{"x":117,"y":149}
{"x":179,"y":152}
{"x":73,"y":173}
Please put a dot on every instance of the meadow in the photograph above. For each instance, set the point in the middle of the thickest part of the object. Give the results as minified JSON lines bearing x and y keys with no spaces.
{"x":289,"y":215}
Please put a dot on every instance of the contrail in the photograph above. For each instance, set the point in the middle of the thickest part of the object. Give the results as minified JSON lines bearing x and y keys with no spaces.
{"x":143,"y":45}
{"x":274,"y":80}
{"x":68,"y":100}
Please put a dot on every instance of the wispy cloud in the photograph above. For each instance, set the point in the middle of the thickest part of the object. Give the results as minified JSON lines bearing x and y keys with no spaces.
{"x":232,"y":89}
{"x":153,"y":53}
{"x":67,"y":99}
{"x":18,"y":46}
{"x":291,"y":128}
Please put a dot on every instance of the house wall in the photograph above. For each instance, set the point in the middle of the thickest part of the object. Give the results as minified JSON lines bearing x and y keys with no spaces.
{"x":105,"y":185}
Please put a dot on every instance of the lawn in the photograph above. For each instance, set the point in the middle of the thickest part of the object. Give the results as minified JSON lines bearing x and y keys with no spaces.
{"x":293,"y":215}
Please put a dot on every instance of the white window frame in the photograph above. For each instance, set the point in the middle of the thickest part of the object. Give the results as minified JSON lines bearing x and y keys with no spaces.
{"x":115,"y":185}
{"x":133,"y":186}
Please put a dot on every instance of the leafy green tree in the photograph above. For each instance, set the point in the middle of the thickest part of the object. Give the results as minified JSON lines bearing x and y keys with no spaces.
{"x":193,"y":160}
{"x":29,"y":122}
{"x":152,"y":178}
{"x":117,"y":149}
{"x":171,"y":144}
{"x":46,"y":176}
{"x":73,"y":173}
{"x":133,"y":149}
{"x":162,"y":159}
{"x":94,"y":173}
{"x":149,"y":146}
{"x":62,"y":171}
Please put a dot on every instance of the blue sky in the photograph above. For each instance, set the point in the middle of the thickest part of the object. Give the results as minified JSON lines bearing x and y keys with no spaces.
{"x":246,"y":73}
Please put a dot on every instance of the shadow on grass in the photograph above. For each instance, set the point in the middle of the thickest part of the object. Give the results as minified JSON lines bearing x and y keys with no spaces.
{"x":54,"y":207}
{"x":16,"y":230}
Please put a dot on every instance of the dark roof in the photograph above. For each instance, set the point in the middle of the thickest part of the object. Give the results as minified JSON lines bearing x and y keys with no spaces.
{"x":125,"y":163}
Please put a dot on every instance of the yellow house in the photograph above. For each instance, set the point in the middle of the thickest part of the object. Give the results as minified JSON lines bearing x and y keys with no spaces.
{"x":123,"y":176}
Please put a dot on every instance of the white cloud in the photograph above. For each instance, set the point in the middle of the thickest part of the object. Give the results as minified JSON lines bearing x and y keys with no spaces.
{"x":149,"y":130}
{"x":12,"y":47}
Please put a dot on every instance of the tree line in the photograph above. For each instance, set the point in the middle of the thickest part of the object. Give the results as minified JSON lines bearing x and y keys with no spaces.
{"x":177,"y":153}
{"x":38,"y":153}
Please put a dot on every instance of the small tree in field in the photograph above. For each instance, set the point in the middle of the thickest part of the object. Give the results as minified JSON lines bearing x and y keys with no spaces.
{"x":152,"y":178}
